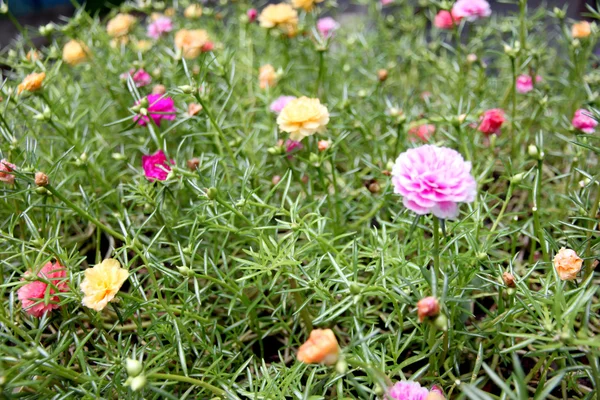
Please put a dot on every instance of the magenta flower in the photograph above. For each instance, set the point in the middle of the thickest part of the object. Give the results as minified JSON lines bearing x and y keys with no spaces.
{"x":525,"y":83}
{"x":5,"y":168}
{"x":471,"y":9}
{"x":140,"y":77}
{"x":156,"y":166}
{"x":326,"y":26}
{"x":583,"y":122}
{"x":407,"y":390}
{"x":277,"y":105}
{"x":291,"y":145}
{"x":433,"y":180}
{"x":32,"y":294}
{"x":159,"y":108}
{"x":252,"y":14}
{"x":159,"y":27}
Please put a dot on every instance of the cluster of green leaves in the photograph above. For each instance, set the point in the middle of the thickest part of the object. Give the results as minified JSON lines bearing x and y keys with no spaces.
{"x":229,"y":267}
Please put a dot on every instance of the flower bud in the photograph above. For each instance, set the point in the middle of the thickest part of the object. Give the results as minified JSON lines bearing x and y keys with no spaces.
{"x":185,"y":271}
{"x":187,"y":89}
{"x":314,"y":159}
{"x":428,"y":307}
{"x":441,"y":323}
{"x":41,"y":179}
{"x":321,"y":347}
{"x":137,"y":383}
{"x":212,"y":193}
{"x":323,"y":145}
{"x":382,"y":75}
{"x":133,"y":367}
{"x":341,"y":366}
{"x":275,"y":180}
{"x":159,"y":89}
{"x":472,"y":58}
{"x":193,"y":164}
{"x":517,"y":178}
{"x":509,"y":280}
{"x":567,"y":264}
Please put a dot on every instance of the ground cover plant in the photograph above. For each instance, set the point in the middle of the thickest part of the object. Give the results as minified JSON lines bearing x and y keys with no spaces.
{"x":239,"y":200}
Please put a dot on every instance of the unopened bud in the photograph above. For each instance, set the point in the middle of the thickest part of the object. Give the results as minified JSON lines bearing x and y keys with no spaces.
{"x":323,"y":145}
{"x":159,"y":89}
{"x":516,"y":179}
{"x":428,"y":307}
{"x":133,"y":367}
{"x":212,"y":193}
{"x":185,"y":271}
{"x":276,"y":179}
{"x":187,"y":89}
{"x":193,"y":164}
{"x":137,"y":383}
{"x":341,"y":366}
{"x":472,"y":58}
{"x":374,"y":187}
{"x":441,"y":322}
{"x":41,"y":179}
{"x":382,"y":75}
{"x":509,"y":280}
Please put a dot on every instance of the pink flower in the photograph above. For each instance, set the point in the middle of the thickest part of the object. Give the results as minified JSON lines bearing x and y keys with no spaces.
{"x":159,"y":108}
{"x":471,"y":9}
{"x":277,"y":105}
{"x":422,"y":132}
{"x":583,"y":122}
{"x":5,"y":168}
{"x":159,"y":27}
{"x":386,"y":2}
{"x":525,"y":83}
{"x":252,"y":15}
{"x":140,"y":77}
{"x":291,"y":145}
{"x":407,"y":390}
{"x":156,"y":166}
{"x":445,"y":20}
{"x":326,"y":26}
{"x":491,"y":121}
{"x":32,"y":294}
{"x":434,"y":180}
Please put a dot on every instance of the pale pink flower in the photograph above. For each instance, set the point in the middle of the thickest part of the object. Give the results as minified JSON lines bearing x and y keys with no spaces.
{"x":5,"y":168}
{"x":422,"y":132}
{"x":252,"y":14}
{"x":159,"y":108}
{"x":156,"y":166}
{"x":583,"y":122}
{"x":491,"y":121}
{"x":525,"y":83}
{"x":445,"y":20}
{"x":159,"y":27}
{"x":140,"y":77}
{"x":386,"y":2}
{"x":407,"y":390}
{"x":434,"y":180}
{"x":471,"y":9}
{"x":326,"y":26}
{"x":278,"y":104}
{"x":32,"y":295}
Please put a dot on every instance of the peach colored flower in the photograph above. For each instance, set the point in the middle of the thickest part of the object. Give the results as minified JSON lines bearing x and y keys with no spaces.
{"x":567,"y":264}
{"x":120,"y":25}
{"x":32,"y":82}
{"x":75,"y":52}
{"x":581,"y":30}
{"x":267,"y":76}
{"x":102,"y":283}
{"x":281,"y":16}
{"x":321,"y":347}
{"x":194,"y":109}
{"x":306,"y":5}
{"x":428,"y":307}
{"x":192,"y":42}
{"x":303,"y":117}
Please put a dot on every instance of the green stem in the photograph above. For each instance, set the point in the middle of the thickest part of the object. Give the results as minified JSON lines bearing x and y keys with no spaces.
{"x":196,"y":382}
{"x":539,"y":233}
{"x":299,"y":300}
{"x":503,"y":209}
{"x":321,"y":73}
{"x":436,"y":254}
{"x":592,"y":216}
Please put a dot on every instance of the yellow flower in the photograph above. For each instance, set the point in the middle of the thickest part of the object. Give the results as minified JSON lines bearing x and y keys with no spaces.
{"x":75,"y":52}
{"x":142,"y":45}
{"x":191,"y":43}
{"x":321,"y":347}
{"x":303,"y":117}
{"x":567,"y":264}
{"x":120,"y":25}
{"x":193,"y":11}
{"x":306,"y":5}
{"x":581,"y":30}
{"x":32,"y":82}
{"x":267,"y":76}
{"x":102,"y":282}
{"x":281,"y":15}
{"x":169,"y":12}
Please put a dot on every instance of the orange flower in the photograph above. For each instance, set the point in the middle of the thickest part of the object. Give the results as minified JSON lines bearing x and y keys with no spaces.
{"x":428,"y":307}
{"x":120,"y":25}
{"x":32,"y":82}
{"x":267,"y":76}
{"x":567,"y":264}
{"x":321,"y":347}
{"x":306,"y":5}
{"x":192,"y":43}
{"x":581,"y":30}
{"x":281,"y":15}
{"x":75,"y":52}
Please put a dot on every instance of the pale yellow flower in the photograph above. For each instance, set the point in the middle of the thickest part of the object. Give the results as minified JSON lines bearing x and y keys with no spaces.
{"x":581,"y":30}
{"x":142,"y":45}
{"x":32,"y":82}
{"x":193,"y":11}
{"x":120,"y":25}
{"x":303,"y":117}
{"x":192,"y":43}
{"x":321,"y":347}
{"x":281,"y":15}
{"x":169,"y":12}
{"x":306,"y":5}
{"x":567,"y":264}
{"x":75,"y":52}
{"x":267,"y":76}
{"x":102,"y":283}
